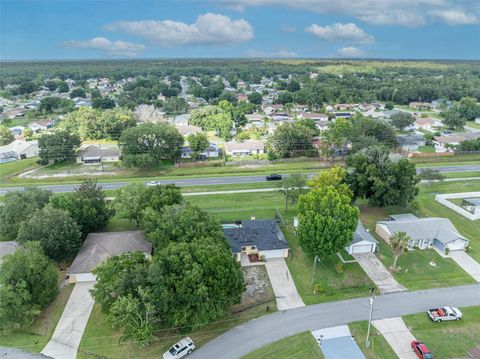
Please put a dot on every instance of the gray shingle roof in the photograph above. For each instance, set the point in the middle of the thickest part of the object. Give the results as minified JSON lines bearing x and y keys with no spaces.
{"x":264,"y":234}
{"x":440,"y":229}
{"x":361,"y":234}
{"x":98,"y":247}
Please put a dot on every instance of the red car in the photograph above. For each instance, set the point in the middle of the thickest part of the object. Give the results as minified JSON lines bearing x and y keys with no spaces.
{"x":421,"y":350}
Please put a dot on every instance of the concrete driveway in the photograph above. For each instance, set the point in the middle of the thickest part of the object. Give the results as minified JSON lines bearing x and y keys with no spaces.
{"x":282,"y":283}
{"x":337,"y":343}
{"x":69,"y":331}
{"x":469,"y":265}
{"x":396,"y":333}
{"x":377,"y":272}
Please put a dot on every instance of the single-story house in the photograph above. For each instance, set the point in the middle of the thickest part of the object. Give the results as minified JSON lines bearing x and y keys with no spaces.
{"x":247,"y":148}
{"x":472,"y":205}
{"x":13,"y":113}
{"x":212,"y":151}
{"x":424,"y":123}
{"x":18,"y":150}
{"x":314,"y":116}
{"x":93,"y":154}
{"x":181,"y":120}
{"x":410,"y":142}
{"x":271,"y":108}
{"x":442,"y":143}
{"x":423,"y":232}
{"x":254,"y":117}
{"x":363,"y":242}
{"x":186,"y":130}
{"x":17,"y":130}
{"x":420,"y":105}
{"x":262,"y":237}
{"x":343,"y":115}
{"x":98,"y":247}
{"x":40,"y":125}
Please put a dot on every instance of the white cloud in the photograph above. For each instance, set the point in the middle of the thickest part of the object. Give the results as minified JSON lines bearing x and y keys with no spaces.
{"x":455,"y":17}
{"x":350,"y":51}
{"x":208,"y":29}
{"x":408,"y":13}
{"x":280,"y":53}
{"x":288,"y":28}
{"x":108,"y":47}
{"x":341,"y":32}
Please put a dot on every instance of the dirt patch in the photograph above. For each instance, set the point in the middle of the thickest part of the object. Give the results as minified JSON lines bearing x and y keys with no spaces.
{"x":258,"y":289}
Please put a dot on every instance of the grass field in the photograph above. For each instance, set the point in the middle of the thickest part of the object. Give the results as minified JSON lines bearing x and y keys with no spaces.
{"x":449,"y":339}
{"x":38,"y":334}
{"x":379,"y":348}
{"x":300,"y":346}
{"x":11,"y":169}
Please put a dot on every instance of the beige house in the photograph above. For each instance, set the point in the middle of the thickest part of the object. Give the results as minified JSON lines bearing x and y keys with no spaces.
{"x":93,"y":154}
{"x":247,"y":148}
{"x":18,"y":150}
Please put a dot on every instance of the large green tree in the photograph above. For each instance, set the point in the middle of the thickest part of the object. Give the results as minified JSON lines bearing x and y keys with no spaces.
{"x":292,"y":139}
{"x":59,"y":146}
{"x":56,"y":231}
{"x":158,"y":141}
{"x":6,"y":136}
{"x":401,"y":119}
{"x":87,"y":206}
{"x":194,"y":283}
{"x":28,"y":282}
{"x":181,"y":223}
{"x":19,"y":206}
{"x":198,"y":143}
{"x":327,"y":220}
{"x":380,"y":180}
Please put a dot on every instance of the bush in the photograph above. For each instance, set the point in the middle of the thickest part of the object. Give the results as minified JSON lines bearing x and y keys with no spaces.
{"x":141,"y":161}
{"x":339,"y":268}
{"x":318,"y":289}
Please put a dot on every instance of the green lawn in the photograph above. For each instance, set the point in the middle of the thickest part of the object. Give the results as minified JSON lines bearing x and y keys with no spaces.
{"x":35,"y":337}
{"x":462,"y":174}
{"x":426,"y":149}
{"x":101,"y":341}
{"x":448,"y":339}
{"x":9,"y":169}
{"x":461,"y":159}
{"x":472,"y":124}
{"x":300,"y":346}
{"x":379,"y":348}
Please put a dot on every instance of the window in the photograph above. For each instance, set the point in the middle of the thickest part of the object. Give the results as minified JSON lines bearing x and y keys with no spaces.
{"x":253,"y":248}
{"x":244,"y":249}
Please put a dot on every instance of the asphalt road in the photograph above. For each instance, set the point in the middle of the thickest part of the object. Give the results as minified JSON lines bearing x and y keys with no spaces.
{"x":257,"y":333}
{"x":206,"y":181}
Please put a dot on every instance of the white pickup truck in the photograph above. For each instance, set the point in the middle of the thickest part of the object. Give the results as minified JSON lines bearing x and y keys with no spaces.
{"x":444,"y":313}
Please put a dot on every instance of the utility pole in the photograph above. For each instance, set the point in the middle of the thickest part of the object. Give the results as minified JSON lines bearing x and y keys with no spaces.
{"x":314,"y":266}
{"x":372,"y":300}
{"x":101,"y":159}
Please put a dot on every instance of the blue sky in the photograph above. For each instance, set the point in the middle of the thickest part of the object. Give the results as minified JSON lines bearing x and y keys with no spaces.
{"x":82,"y":29}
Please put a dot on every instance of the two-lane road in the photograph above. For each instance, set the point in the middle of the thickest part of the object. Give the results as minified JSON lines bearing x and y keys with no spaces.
{"x":182,"y":182}
{"x":257,"y":333}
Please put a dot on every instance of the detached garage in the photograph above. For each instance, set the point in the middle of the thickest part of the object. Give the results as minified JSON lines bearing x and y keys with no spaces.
{"x":363,"y":242}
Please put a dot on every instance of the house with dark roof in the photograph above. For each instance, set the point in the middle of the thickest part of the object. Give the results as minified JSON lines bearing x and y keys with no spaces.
{"x":263,"y":237}
{"x":423,"y":232}
{"x":98,"y":247}
{"x":362,"y":242}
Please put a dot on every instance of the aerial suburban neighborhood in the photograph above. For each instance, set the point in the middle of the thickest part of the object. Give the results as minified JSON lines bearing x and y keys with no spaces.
{"x":244,"y":179}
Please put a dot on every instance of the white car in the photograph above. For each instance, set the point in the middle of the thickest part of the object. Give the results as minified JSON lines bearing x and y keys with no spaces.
{"x":153,"y":183}
{"x":181,"y":349}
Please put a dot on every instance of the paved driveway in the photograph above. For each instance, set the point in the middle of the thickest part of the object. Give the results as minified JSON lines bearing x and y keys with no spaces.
{"x":469,"y":265}
{"x":377,"y":272}
{"x":69,"y":331}
{"x":337,"y":343}
{"x":282,"y":283}
{"x":397,"y":335}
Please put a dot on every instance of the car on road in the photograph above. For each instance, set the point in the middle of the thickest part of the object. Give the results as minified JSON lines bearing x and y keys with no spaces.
{"x":444,"y":313}
{"x":180,"y":350}
{"x":153,"y":183}
{"x":421,"y":350}
{"x":274,"y":177}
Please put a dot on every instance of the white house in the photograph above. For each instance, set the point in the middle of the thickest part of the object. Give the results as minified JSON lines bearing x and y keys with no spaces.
{"x":363,"y":242}
{"x":18,"y":150}
{"x":93,"y":154}
{"x":211,"y":152}
{"x":247,"y":148}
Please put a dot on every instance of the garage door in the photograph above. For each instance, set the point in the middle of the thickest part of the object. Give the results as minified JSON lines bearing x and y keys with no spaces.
{"x":362,"y":248}
{"x":276,"y":253}
{"x":457,"y":245}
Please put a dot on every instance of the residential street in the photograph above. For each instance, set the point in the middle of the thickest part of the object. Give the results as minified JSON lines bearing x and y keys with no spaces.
{"x":208,"y":180}
{"x":256,"y":333}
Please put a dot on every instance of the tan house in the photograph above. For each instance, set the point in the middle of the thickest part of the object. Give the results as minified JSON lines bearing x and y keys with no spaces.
{"x":93,"y":154}
{"x":247,"y":148}
{"x":187,"y":130}
{"x":18,"y":150}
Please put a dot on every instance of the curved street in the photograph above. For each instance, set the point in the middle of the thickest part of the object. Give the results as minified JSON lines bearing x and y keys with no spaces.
{"x":257,"y":333}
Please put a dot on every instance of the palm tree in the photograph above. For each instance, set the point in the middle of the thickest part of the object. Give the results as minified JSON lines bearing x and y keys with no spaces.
{"x":399,"y":243}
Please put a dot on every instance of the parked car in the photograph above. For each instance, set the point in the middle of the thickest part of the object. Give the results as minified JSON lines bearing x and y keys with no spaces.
{"x":444,"y":313}
{"x":153,"y":183}
{"x":421,"y":350}
{"x":274,"y":177}
{"x":181,"y":349}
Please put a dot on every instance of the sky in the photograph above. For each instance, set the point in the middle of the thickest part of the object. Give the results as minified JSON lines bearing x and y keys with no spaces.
{"x":391,"y":29}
